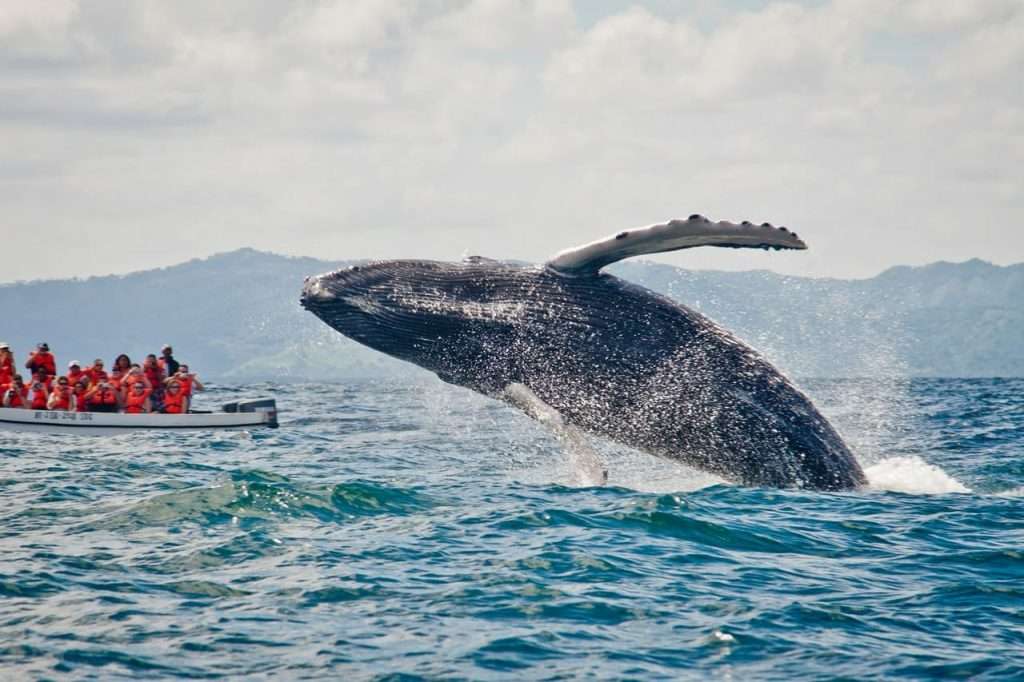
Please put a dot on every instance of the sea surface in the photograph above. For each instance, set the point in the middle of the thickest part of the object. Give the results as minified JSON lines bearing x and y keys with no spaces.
{"x":405,"y":530}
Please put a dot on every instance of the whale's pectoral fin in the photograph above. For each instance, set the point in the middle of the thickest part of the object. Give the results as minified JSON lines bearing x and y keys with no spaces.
{"x":585,"y":463}
{"x":671,"y":236}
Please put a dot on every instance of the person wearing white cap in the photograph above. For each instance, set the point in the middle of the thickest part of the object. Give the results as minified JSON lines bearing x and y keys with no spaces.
{"x":6,"y":365}
{"x":74,"y":372}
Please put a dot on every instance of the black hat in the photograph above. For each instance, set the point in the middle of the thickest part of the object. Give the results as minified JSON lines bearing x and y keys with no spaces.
{"x":43,"y":345}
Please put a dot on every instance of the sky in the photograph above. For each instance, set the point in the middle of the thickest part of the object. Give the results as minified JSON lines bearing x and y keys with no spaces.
{"x":141,"y":134}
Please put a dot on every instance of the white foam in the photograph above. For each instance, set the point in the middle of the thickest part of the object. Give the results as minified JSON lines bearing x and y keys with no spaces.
{"x":1012,"y":492}
{"x":912,"y":475}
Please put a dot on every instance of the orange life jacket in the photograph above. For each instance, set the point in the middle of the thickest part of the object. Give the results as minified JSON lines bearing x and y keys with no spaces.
{"x":63,"y":401}
{"x":39,"y":397}
{"x":73,"y":377}
{"x":134,"y":402}
{"x":80,"y":405}
{"x":19,"y":397}
{"x":95,"y":375}
{"x":186,"y":385}
{"x":174,"y":403}
{"x":104,"y":396}
{"x":44,"y":359}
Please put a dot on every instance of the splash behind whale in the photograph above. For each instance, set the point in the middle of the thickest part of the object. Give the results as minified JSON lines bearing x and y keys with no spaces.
{"x":610,"y":357}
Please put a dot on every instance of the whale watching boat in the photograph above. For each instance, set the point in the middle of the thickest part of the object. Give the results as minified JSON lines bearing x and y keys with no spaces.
{"x":240,"y":414}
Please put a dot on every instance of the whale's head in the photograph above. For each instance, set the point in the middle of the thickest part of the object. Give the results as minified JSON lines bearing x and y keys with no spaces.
{"x":446,"y":317}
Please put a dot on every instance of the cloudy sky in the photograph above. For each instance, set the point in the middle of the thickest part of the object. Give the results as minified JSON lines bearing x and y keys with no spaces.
{"x":140,"y":134}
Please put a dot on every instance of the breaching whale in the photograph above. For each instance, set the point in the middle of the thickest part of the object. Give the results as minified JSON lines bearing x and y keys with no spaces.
{"x":581,"y":349}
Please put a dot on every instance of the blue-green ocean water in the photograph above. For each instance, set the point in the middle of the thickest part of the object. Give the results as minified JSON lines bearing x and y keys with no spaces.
{"x":416,"y":530}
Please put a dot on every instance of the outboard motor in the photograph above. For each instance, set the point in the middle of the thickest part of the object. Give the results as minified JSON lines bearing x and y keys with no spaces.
{"x":268,"y":405}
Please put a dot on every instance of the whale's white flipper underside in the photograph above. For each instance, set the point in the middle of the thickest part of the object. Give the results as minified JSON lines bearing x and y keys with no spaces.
{"x":583,"y":460}
{"x":671,"y":236}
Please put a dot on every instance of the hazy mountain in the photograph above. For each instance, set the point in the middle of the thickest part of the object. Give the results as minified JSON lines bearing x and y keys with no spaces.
{"x":236,"y":316}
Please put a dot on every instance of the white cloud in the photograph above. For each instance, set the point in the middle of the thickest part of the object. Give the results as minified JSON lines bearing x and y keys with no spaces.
{"x":515,"y":129}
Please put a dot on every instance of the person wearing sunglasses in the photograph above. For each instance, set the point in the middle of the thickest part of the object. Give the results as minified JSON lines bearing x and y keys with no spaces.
{"x":16,"y":394}
{"x":81,"y":390}
{"x":136,"y":401}
{"x":62,"y":398}
{"x":96,"y":373}
{"x":175,"y":399}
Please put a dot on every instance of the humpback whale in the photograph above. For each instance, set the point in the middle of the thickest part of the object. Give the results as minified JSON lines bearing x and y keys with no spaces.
{"x":583,"y":350}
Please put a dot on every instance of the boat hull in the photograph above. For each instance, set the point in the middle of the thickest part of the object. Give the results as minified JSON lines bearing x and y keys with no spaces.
{"x":105,"y":424}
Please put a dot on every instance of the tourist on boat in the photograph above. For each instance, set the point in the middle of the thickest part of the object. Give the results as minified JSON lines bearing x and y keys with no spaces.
{"x":42,"y":358}
{"x":39,"y":391}
{"x":96,"y":373}
{"x":6,"y":364}
{"x":137,"y":399}
{"x":167,"y":362}
{"x":74,"y":372}
{"x":62,"y":398}
{"x":40,"y":375}
{"x":123,"y":363}
{"x":156,"y":378}
{"x":115,"y":379}
{"x":16,"y":394}
{"x":189,"y":382}
{"x":175,"y":400}
{"x":103,"y":398}
{"x":81,"y":390}
{"x":134,"y":375}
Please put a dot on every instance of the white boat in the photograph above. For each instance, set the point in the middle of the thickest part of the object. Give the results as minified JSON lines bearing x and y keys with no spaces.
{"x":242,"y":414}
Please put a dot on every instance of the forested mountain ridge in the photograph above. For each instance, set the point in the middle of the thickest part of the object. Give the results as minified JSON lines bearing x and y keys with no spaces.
{"x":235,"y":316}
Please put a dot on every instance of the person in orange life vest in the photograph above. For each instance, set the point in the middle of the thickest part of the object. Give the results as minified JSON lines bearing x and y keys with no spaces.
{"x":175,"y":400}
{"x":123,"y":363}
{"x":6,"y":364}
{"x":96,"y":372}
{"x":137,"y":399}
{"x":189,"y":382}
{"x":62,"y":397}
{"x":39,"y":391}
{"x":156,"y":378}
{"x":42,"y":358}
{"x":103,"y":398}
{"x":115,"y":379}
{"x":74,"y":372}
{"x":153,"y":371}
{"x":134,"y":375}
{"x":16,"y":394}
{"x":81,"y":389}
{"x":167,"y":362}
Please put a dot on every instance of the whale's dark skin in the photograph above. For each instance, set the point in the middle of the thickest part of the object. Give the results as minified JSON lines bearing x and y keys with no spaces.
{"x":611,"y":357}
